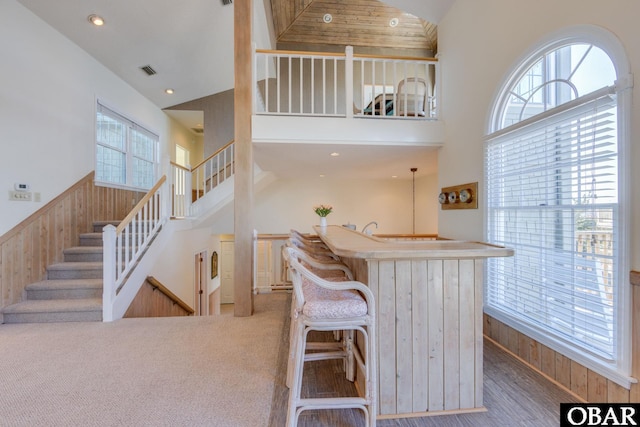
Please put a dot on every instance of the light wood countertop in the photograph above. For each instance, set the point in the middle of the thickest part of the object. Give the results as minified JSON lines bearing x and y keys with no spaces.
{"x":353,"y":244}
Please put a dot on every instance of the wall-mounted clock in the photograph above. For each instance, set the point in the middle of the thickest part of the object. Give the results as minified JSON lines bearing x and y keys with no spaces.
{"x":466,"y":196}
{"x":453,"y":197}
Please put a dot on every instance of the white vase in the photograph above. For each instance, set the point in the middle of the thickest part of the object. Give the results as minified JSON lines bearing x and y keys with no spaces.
{"x":323,"y":221}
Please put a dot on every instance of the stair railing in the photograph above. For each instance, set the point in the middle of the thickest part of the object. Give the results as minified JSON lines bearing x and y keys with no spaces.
{"x":189,"y":186}
{"x":125,"y":244}
{"x":173,"y":197}
{"x":181,"y":192}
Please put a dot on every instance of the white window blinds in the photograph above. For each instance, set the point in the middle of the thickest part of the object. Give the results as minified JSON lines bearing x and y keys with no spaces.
{"x":126,"y":153}
{"x":552,"y":195}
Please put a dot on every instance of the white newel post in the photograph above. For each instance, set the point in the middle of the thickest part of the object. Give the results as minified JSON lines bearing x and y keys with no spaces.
{"x":348,"y":81}
{"x":166,"y":196}
{"x":188,"y":192}
{"x":108,"y":272}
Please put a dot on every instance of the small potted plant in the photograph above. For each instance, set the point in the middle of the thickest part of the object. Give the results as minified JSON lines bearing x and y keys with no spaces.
{"x":322,"y":211}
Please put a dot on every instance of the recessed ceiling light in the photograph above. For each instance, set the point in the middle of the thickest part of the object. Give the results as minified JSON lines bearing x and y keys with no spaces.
{"x":394,"y":176}
{"x":393,"y":22}
{"x":169,"y":91}
{"x":321,"y":175}
{"x":327,"y":18}
{"x":96,"y":20}
{"x":334,"y":154}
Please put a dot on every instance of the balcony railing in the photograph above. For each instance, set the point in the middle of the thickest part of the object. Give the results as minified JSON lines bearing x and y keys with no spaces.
{"x":190,"y":185}
{"x":345,"y":85}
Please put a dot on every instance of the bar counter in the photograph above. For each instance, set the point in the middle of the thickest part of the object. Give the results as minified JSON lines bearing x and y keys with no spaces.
{"x":429,"y":318}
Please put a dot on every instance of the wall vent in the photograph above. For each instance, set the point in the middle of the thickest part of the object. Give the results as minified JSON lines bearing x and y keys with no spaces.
{"x":147,"y":69}
{"x":227,"y":2}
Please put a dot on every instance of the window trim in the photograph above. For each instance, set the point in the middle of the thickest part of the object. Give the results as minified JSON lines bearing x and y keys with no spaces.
{"x":129,"y":155}
{"x":619,"y":371}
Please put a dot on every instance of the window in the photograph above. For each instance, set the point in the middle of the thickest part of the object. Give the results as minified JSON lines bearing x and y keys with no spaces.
{"x":126,"y":153}
{"x":553,"y":174}
{"x":182,"y":156}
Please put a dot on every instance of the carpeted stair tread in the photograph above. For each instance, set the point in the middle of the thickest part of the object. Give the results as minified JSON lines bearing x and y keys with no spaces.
{"x":79,"y":265}
{"x":75,"y":270}
{"x":84,"y":254}
{"x":55,"y":306}
{"x":84,"y":249}
{"x":65,"y":284}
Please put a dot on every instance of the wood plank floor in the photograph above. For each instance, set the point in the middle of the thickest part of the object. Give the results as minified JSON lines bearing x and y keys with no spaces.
{"x":514,"y":395}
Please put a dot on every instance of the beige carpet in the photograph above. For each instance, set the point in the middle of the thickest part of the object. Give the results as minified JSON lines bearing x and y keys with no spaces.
{"x":180,"y":371}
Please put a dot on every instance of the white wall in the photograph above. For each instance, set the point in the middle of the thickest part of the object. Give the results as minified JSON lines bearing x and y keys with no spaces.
{"x":179,"y":135}
{"x":175,"y":267}
{"x":479,"y":43}
{"x":287,"y":204}
{"x":47,"y":110}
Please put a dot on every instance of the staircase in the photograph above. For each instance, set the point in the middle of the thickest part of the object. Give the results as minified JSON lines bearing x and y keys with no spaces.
{"x":72,"y":291}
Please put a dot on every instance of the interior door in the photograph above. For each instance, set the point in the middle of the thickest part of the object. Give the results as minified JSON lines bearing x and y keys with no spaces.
{"x":226,"y":272}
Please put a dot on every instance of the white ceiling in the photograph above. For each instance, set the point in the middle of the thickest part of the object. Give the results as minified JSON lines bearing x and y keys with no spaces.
{"x":182,"y":40}
{"x":354,"y":161}
{"x":190,"y":45}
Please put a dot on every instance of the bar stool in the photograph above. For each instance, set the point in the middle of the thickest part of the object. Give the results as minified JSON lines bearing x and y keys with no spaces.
{"x":318,"y":249}
{"x":323,"y":305}
{"x":322,"y":266}
{"x":343,"y":340}
{"x":306,"y":238}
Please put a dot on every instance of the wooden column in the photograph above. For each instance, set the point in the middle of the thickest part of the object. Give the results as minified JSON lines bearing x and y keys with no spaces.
{"x":243,"y":179}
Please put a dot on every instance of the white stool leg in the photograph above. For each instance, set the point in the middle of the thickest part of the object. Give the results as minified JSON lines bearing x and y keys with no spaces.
{"x":295,"y":389}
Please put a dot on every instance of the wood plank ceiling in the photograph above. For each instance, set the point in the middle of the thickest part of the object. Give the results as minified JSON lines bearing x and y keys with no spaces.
{"x":359,"y":23}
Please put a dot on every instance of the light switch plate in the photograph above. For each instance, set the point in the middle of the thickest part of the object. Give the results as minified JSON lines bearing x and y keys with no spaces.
{"x":20,"y":196}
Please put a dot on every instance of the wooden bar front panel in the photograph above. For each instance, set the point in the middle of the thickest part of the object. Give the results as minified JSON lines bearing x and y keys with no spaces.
{"x":429,"y":326}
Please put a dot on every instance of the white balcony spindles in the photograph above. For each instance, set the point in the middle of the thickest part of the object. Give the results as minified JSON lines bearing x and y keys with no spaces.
{"x":377,"y":76}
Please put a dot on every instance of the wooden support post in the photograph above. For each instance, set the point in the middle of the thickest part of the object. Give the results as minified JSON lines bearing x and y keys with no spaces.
{"x":243,"y":180}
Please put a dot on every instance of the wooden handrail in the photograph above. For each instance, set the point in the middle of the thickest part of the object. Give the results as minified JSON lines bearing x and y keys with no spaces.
{"x":179,"y":166}
{"x":398,"y":58}
{"x":273,"y":236}
{"x":220,"y":150}
{"x":140,"y":204}
{"x":299,"y":52}
{"x":173,"y":297}
{"x":355,"y":55}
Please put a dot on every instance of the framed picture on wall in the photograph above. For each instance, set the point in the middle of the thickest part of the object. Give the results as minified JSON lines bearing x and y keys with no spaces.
{"x":214,"y":264}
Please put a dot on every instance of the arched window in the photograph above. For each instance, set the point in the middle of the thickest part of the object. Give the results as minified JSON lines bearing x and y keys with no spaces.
{"x":553,"y":174}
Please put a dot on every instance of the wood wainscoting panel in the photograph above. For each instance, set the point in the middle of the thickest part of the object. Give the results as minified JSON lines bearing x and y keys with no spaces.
{"x":582,"y":382}
{"x":151,"y":301}
{"x":38,"y":241}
